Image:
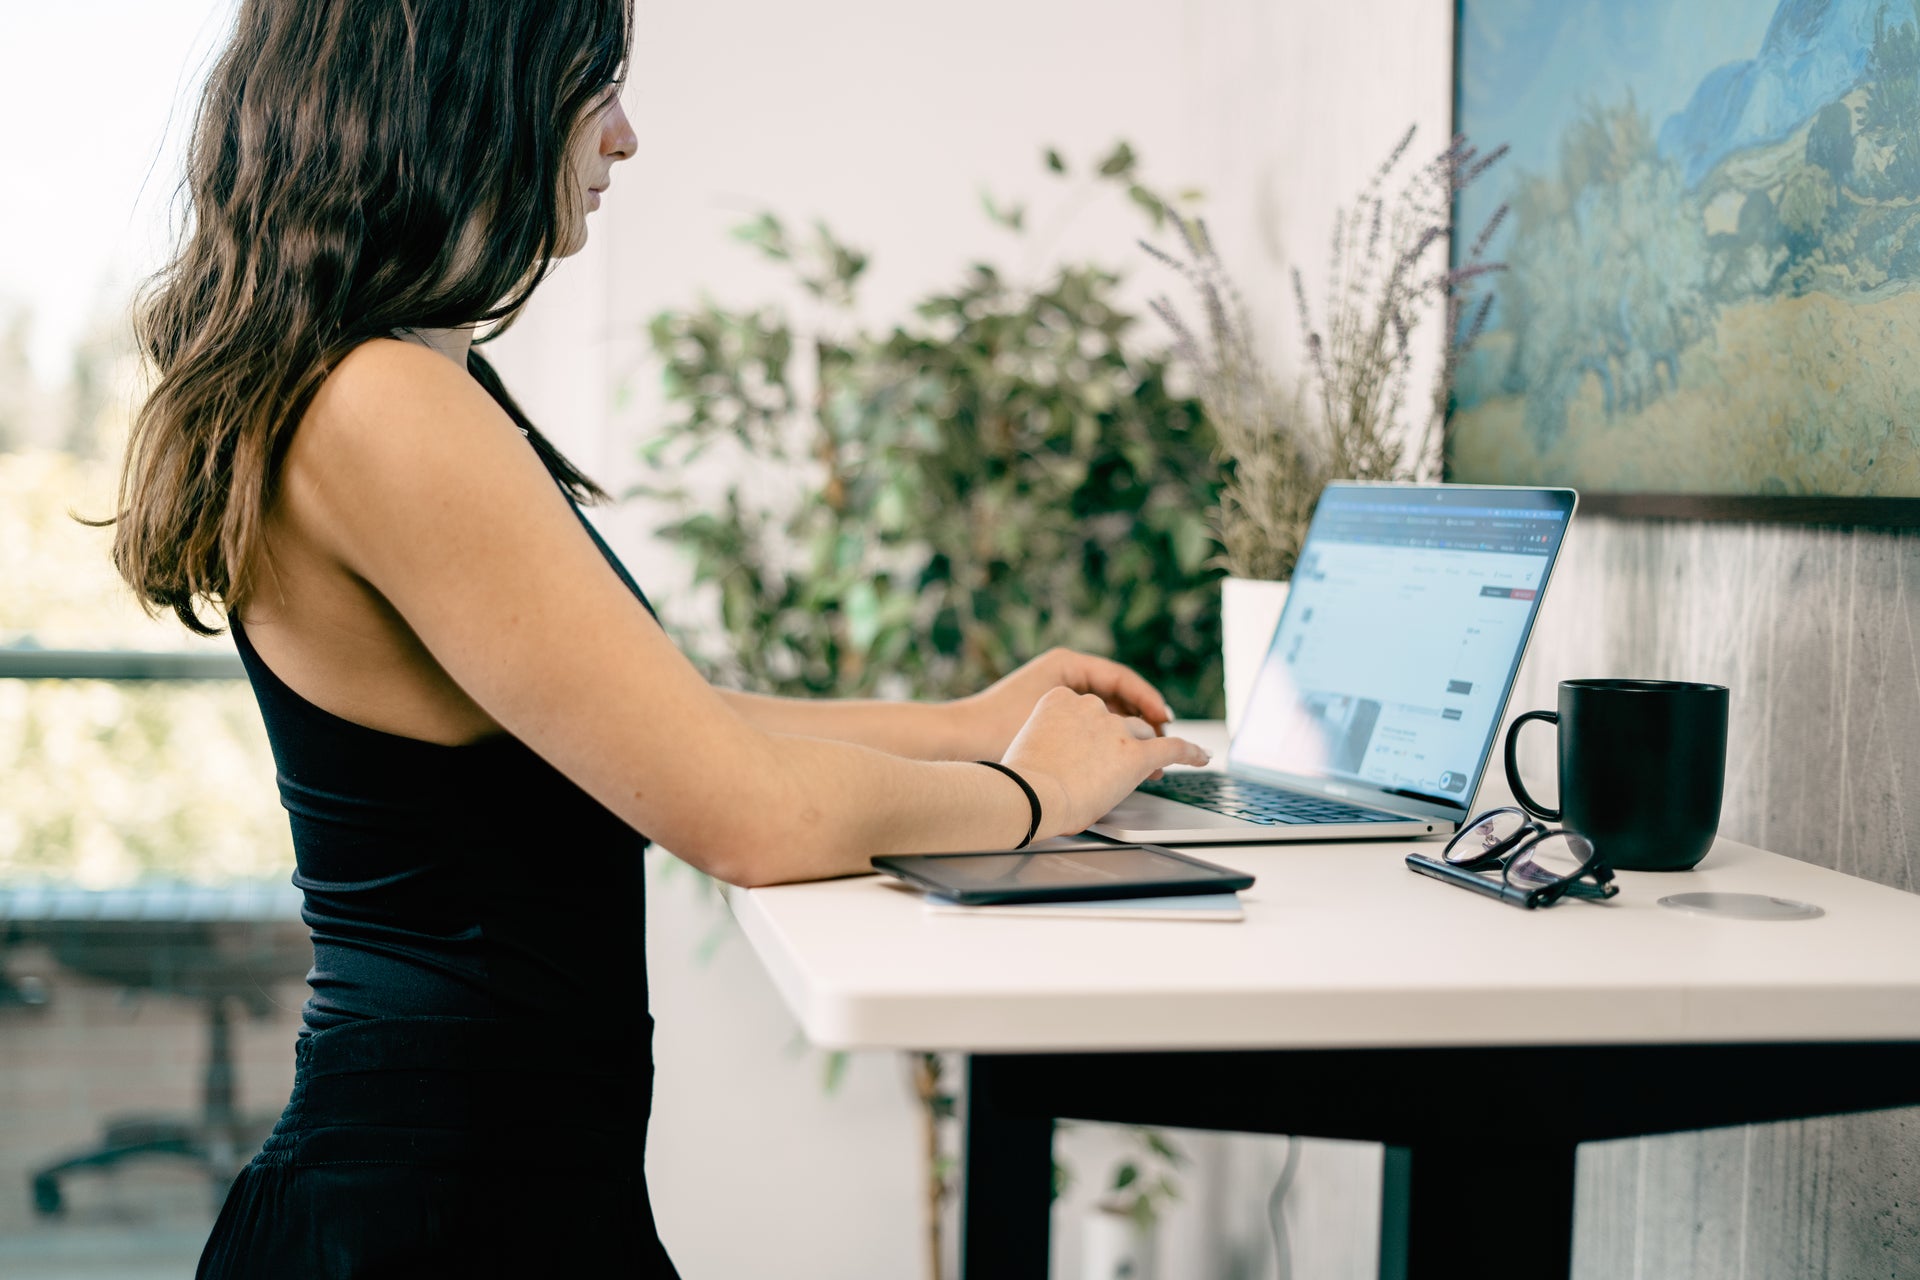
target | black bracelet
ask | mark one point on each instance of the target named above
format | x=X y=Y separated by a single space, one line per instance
x=1032 y=799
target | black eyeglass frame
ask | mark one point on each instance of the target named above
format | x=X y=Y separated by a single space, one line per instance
x=1507 y=854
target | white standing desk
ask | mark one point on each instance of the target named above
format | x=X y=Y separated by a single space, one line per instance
x=1357 y=999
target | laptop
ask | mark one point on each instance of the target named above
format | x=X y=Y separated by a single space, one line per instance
x=1375 y=709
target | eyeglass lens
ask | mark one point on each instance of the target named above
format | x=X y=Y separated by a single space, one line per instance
x=1552 y=859
x=1493 y=834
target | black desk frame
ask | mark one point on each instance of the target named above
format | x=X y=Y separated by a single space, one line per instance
x=1465 y=1129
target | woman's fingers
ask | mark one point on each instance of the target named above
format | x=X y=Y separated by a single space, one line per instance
x=1129 y=711
x=1161 y=752
x=1122 y=688
x=1139 y=728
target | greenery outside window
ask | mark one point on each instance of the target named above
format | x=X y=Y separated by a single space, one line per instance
x=129 y=749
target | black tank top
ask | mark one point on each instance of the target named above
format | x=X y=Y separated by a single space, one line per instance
x=465 y=881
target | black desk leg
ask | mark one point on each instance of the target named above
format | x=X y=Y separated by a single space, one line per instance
x=1477 y=1208
x=1006 y=1201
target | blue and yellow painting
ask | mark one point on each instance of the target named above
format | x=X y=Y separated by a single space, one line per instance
x=1712 y=239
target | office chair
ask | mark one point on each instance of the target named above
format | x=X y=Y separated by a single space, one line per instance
x=220 y=963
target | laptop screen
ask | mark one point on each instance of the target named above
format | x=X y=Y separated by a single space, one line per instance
x=1402 y=634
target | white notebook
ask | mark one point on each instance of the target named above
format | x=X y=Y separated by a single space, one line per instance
x=1191 y=906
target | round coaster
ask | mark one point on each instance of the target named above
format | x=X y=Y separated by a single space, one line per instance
x=1742 y=906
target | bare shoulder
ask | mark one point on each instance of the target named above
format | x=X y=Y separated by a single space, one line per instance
x=397 y=431
x=389 y=396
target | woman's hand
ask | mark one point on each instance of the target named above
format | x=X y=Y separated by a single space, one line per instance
x=1082 y=759
x=988 y=720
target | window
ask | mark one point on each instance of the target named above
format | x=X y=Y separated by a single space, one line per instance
x=108 y=781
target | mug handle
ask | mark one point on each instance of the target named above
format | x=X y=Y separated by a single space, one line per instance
x=1527 y=802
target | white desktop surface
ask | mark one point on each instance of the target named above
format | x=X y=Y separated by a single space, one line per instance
x=1343 y=946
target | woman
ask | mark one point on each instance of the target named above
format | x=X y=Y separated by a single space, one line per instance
x=473 y=712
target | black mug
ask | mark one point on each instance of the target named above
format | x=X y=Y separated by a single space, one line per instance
x=1642 y=766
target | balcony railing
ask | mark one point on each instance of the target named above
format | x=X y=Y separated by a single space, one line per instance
x=117 y=664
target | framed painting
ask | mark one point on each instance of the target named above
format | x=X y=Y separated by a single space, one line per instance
x=1711 y=302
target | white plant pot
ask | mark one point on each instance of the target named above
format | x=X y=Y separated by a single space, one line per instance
x=1249 y=615
x=1113 y=1247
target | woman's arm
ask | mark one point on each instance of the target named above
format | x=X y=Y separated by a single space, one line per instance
x=408 y=474
x=917 y=730
x=973 y=728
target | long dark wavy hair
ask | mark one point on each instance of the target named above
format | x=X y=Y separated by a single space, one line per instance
x=357 y=167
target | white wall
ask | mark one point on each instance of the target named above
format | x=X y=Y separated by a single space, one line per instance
x=886 y=118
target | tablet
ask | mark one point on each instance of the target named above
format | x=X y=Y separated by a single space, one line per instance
x=1062 y=875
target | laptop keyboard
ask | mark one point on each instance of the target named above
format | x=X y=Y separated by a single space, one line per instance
x=1257 y=803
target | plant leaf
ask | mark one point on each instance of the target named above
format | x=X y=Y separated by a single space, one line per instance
x=1118 y=162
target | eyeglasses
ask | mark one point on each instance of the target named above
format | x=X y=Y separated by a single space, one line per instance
x=1538 y=865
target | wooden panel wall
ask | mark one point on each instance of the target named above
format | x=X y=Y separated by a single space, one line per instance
x=1814 y=632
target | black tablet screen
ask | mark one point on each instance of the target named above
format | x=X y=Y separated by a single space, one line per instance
x=1087 y=868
